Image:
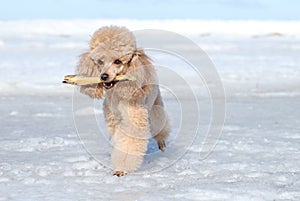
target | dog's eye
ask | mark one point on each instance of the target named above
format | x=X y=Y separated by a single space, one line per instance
x=100 y=62
x=117 y=61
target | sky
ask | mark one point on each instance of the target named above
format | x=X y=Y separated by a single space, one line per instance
x=151 y=9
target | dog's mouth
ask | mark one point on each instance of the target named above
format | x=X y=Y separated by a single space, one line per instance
x=109 y=85
x=119 y=78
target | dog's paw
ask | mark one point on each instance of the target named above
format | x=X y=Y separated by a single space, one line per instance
x=162 y=145
x=120 y=173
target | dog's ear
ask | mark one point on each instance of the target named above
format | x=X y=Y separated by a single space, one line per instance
x=140 y=58
x=142 y=69
x=86 y=67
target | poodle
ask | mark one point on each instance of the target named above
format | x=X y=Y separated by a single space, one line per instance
x=133 y=110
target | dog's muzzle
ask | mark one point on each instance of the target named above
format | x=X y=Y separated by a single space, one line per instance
x=107 y=85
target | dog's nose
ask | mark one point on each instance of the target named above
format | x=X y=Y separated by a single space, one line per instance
x=104 y=76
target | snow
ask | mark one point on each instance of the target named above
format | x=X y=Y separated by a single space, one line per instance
x=256 y=158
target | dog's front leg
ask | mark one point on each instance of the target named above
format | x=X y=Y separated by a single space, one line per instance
x=110 y=118
x=130 y=139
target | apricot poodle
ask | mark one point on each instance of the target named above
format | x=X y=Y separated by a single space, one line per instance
x=133 y=109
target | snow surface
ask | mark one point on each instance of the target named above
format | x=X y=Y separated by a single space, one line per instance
x=256 y=158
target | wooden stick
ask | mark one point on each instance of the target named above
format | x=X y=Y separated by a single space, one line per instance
x=83 y=80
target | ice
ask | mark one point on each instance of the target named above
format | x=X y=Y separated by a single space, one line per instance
x=256 y=158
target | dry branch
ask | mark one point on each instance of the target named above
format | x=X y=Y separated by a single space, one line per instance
x=82 y=80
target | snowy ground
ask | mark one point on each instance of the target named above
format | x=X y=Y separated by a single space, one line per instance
x=256 y=158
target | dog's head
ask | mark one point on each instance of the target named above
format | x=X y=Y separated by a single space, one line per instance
x=112 y=52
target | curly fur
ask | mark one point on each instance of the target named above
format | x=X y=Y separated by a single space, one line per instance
x=133 y=110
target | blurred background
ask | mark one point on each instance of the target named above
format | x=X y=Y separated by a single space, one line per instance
x=254 y=43
x=151 y=9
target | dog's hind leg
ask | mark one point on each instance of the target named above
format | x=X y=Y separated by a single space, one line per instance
x=159 y=123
